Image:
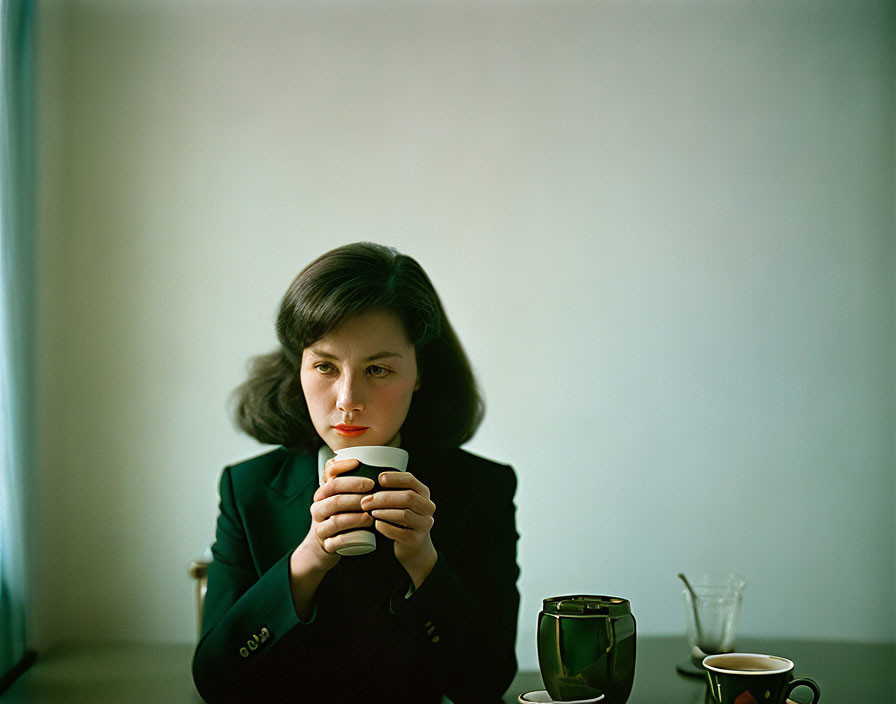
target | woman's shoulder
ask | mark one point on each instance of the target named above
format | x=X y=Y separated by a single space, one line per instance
x=480 y=462
x=259 y=462
x=268 y=467
x=458 y=461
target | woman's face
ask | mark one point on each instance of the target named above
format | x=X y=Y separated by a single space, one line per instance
x=358 y=381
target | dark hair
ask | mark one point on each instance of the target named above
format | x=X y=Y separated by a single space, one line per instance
x=345 y=282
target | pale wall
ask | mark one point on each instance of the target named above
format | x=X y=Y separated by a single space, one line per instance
x=664 y=233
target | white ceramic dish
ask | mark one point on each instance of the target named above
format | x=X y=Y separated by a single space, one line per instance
x=540 y=696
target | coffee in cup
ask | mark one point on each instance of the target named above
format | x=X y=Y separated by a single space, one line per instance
x=753 y=678
x=372 y=460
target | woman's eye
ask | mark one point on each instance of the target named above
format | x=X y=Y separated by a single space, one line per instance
x=376 y=370
x=324 y=367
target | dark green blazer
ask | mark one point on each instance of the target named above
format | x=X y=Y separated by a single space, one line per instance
x=367 y=640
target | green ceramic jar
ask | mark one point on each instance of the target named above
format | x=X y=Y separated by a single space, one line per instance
x=586 y=645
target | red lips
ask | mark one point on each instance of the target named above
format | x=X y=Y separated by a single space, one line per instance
x=351 y=431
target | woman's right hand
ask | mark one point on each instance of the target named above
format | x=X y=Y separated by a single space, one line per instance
x=336 y=508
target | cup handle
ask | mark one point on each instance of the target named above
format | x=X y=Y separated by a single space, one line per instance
x=803 y=682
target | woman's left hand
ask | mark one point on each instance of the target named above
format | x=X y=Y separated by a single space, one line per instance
x=403 y=513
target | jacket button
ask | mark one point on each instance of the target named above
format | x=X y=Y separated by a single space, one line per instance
x=244 y=652
x=435 y=640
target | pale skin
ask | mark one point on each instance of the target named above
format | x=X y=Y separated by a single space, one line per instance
x=358 y=383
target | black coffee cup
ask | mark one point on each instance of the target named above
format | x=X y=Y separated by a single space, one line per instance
x=372 y=461
x=752 y=678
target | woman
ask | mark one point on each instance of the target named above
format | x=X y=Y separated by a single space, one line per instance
x=367 y=357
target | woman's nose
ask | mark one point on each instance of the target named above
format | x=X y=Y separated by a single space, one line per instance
x=350 y=398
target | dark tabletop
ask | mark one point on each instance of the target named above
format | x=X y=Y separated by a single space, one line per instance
x=847 y=672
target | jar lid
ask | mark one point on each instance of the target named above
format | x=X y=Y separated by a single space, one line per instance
x=587 y=605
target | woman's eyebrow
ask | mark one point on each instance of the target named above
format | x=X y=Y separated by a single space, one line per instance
x=317 y=352
x=382 y=355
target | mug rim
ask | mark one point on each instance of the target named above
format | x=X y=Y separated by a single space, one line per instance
x=376 y=456
x=749 y=673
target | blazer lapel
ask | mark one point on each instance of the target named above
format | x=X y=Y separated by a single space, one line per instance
x=296 y=472
x=279 y=516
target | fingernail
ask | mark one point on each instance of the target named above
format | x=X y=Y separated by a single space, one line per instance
x=383 y=478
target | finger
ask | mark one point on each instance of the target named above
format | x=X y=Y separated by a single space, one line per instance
x=403 y=480
x=342 y=522
x=340 y=503
x=399 y=534
x=332 y=545
x=335 y=467
x=399 y=499
x=344 y=485
x=404 y=518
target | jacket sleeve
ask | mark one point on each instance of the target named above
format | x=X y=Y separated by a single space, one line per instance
x=245 y=615
x=465 y=612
